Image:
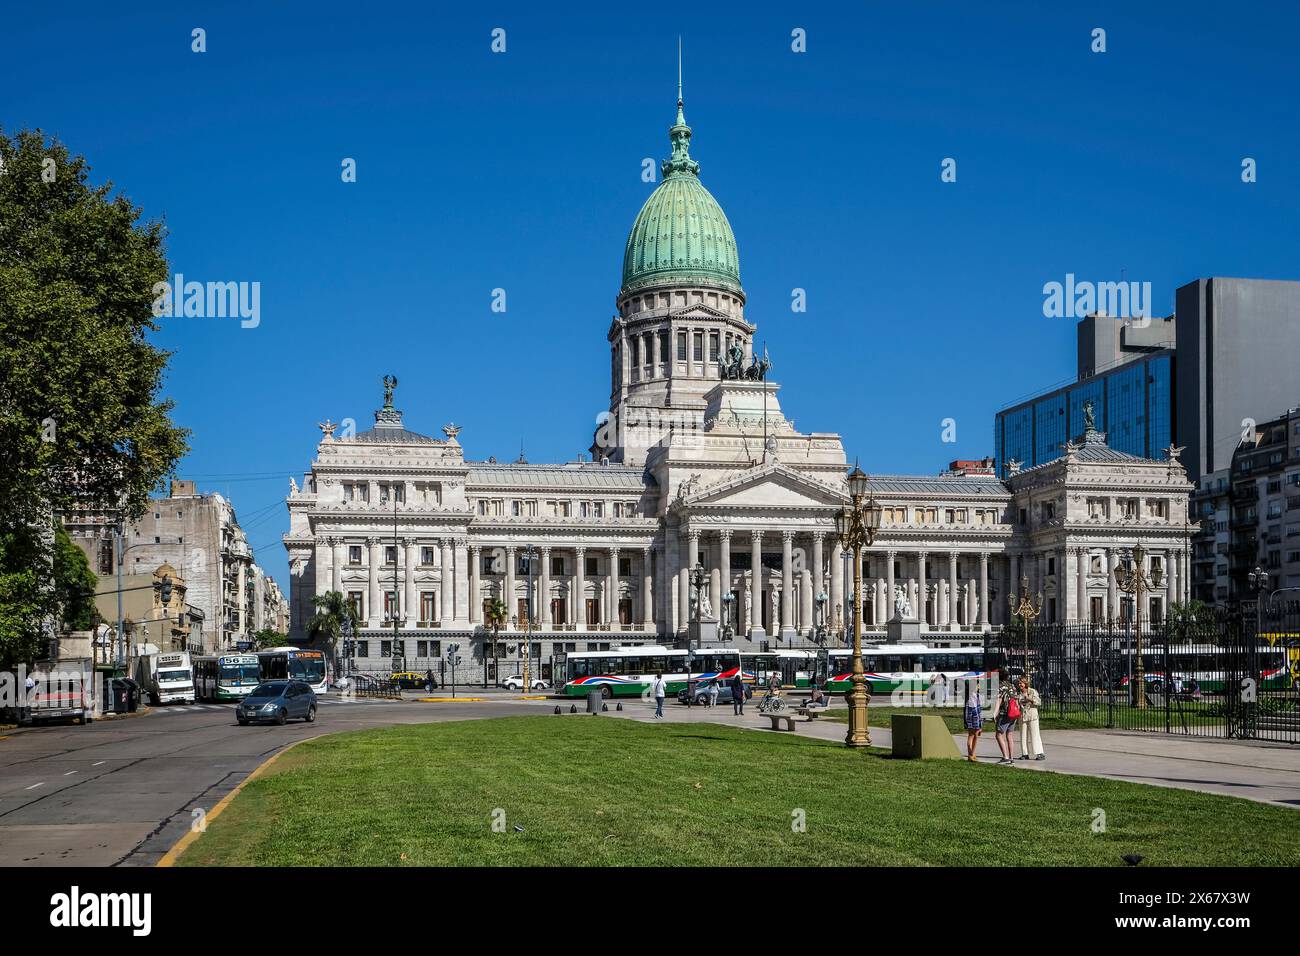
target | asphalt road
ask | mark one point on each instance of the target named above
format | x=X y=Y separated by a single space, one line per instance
x=121 y=792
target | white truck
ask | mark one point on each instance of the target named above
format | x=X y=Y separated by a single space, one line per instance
x=166 y=676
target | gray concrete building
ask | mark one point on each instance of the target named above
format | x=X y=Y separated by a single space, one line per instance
x=1236 y=359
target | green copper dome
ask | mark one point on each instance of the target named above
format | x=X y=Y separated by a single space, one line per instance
x=681 y=235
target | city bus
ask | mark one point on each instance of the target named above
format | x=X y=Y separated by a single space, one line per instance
x=1205 y=669
x=228 y=677
x=905 y=667
x=796 y=667
x=629 y=671
x=296 y=663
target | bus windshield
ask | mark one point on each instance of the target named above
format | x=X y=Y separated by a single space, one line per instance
x=182 y=674
x=239 y=674
x=309 y=669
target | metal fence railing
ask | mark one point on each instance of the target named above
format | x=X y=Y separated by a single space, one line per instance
x=1228 y=674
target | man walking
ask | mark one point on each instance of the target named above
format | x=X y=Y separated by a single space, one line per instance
x=660 y=688
x=428 y=680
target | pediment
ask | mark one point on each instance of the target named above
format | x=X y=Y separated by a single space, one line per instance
x=773 y=486
x=696 y=310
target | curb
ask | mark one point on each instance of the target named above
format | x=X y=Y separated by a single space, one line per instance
x=449 y=700
x=171 y=856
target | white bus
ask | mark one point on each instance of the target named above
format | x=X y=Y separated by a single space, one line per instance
x=906 y=667
x=628 y=671
x=228 y=677
x=294 y=663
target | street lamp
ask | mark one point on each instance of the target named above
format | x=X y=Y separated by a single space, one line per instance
x=1137 y=582
x=820 y=633
x=857 y=525
x=1024 y=608
x=727 y=632
x=699 y=577
x=528 y=624
x=1257 y=578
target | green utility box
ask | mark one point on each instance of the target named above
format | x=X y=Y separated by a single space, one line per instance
x=922 y=737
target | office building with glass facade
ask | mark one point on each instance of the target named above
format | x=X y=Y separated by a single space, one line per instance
x=1132 y=404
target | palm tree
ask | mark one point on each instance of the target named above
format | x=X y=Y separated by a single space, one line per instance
x=326 y=625
x=496 y=614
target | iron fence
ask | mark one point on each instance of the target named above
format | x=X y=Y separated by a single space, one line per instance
x=1231 y=673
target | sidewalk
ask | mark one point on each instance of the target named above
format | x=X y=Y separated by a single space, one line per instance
x=1266 y=772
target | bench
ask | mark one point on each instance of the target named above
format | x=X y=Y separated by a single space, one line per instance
x=811 y=711
x=777 y=718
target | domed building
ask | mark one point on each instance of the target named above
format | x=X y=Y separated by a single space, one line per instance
x=697 y=468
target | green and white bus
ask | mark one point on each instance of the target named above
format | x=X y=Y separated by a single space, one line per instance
x=629 y=671
x=228 y=677
x=906 y=667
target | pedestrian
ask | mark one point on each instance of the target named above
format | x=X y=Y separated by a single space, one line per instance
x=943 y=682
x=737 y=695
x=973 y=717
x=428 y=680
x=1008 y=713
x=713 y=692
x=1030 y=737
x=660 y=688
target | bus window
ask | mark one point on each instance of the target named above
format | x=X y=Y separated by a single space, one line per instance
x=632 y=666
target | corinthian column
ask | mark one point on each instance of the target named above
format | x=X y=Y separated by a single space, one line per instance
x=756 y=566
x=410 y=601
x=376 y=609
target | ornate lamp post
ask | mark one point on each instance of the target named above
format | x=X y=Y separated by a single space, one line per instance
x=1137 y=582
x=857 y=525
x=698 y=579
x=727 y=632
x=528 y=624
x=1024 y=608
x=1258 y=581
x=820 y=633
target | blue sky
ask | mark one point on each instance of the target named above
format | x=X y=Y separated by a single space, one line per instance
x=522 y=171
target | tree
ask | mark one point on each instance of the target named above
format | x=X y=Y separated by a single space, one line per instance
x=81 y=424
x=268 y=637
x=326 y=626
x=496 y=614
x=74 y=584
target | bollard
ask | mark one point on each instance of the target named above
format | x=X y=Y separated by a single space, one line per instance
x=573 y=708
x=557 y=708
x=619 y=707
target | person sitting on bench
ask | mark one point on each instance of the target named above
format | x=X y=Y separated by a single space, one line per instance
x=817 y=698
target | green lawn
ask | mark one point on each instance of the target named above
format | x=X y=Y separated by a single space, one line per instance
x=618 y=792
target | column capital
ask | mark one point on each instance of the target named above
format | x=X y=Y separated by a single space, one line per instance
x=408 y=542
x=923 y=554
x=892 y=553
x=953 y=555
x=475 y=549
x=648 y=549
x=510 y=550
x=333 y=541
x=756 y=535
x=787 y=535
x=546 y=550
x=580 y=551
x=984 y=557
x=615 y=549
x=373 y=540
x=691 y=533
x=724 y=534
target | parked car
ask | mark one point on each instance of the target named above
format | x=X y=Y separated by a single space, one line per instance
x=517 y=683
x=277 y=700
x=702 y=695
x=412 y=680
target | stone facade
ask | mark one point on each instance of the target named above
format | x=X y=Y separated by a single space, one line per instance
x=697 y=464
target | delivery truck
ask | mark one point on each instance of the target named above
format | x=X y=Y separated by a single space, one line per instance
x=166 y=676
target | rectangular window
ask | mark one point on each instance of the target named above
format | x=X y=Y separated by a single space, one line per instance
x=697 y=350
x=515 y=508
x=713 y=346
x=663 y=347
x=557 y=565
x=592 y=566
x=357 y=601
x=428 y=607
x=625 y=570
x=422 y=648
x=426 y=556
x=681 y=346
x=390 y=606
x=363 y=648
x=385 y=648
x=390 y=554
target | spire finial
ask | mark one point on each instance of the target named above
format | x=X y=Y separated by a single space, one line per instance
x=680 y=134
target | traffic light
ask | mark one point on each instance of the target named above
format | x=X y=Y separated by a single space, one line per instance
x=166 y=590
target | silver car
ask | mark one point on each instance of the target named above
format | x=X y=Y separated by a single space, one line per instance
x=277 y=701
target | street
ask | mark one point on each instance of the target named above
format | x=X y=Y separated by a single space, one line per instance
x=120 y=792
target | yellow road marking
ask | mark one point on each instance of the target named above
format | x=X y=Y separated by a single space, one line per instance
x=170 y=857
x=447 y=700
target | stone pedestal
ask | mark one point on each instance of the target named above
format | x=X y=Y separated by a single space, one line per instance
x=703 y=633
x=899 y=630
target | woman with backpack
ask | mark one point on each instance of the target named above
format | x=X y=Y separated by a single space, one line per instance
x=1008 y=713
